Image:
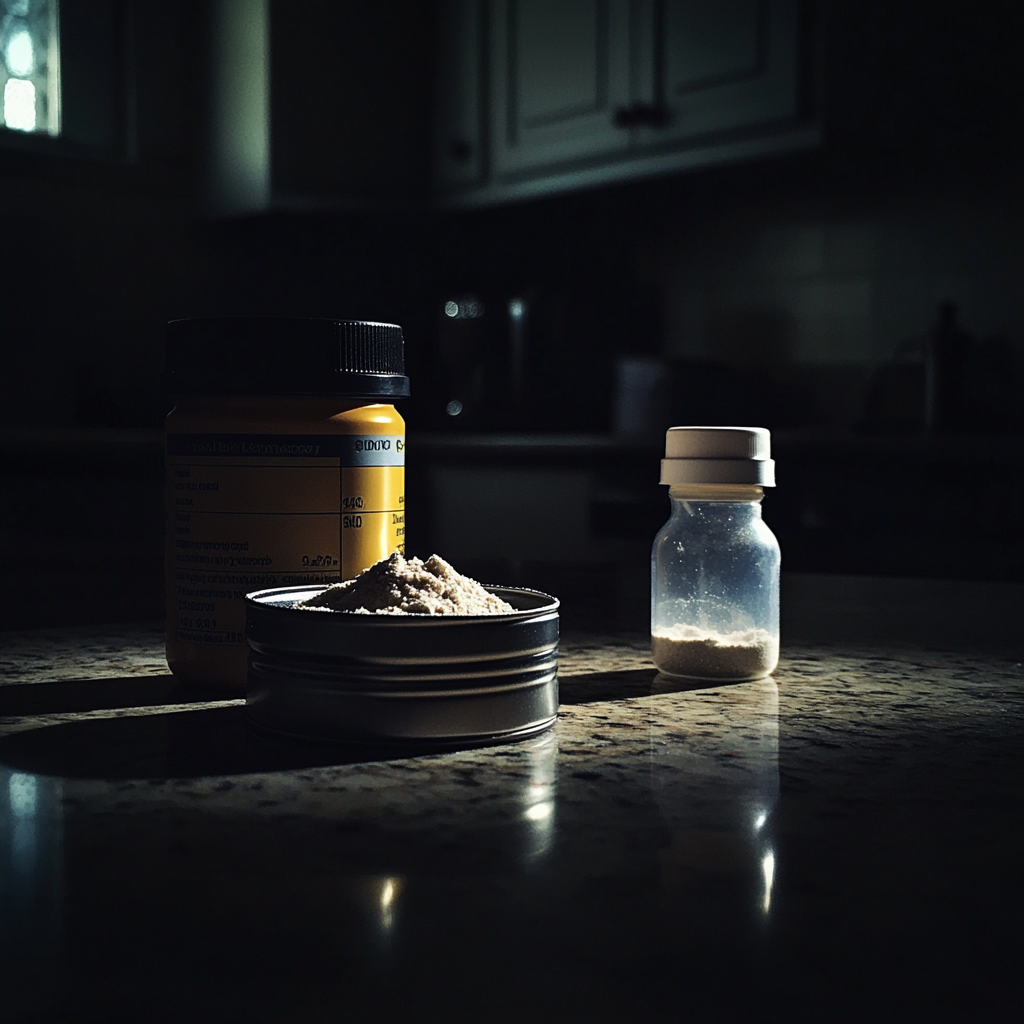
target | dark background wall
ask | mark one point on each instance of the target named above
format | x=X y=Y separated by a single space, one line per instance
x=818 y=267
x=782 y=292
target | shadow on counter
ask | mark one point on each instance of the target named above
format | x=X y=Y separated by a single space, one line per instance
x=158 y=728
x=166 y=744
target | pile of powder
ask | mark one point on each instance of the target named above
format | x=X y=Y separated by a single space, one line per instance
x=703 y=654
x=396 y=586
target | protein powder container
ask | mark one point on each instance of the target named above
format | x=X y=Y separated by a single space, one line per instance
x=285 y=467
x=715 y=564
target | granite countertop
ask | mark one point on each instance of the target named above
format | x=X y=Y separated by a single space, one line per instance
x=841 y=840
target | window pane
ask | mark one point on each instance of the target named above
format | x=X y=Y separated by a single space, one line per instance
x=20 y=105
x=30 y=65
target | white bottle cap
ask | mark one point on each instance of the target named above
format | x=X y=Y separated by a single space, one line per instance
x=718 y=455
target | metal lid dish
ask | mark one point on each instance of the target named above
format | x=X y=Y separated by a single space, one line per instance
x=432 y=680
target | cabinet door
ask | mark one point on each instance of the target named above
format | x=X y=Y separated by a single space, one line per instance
x=458 y=137
x=560 y=70
x=722 y=66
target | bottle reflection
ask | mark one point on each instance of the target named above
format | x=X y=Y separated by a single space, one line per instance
x=538 y=799
x=306 y=870
x=716 y=784
x=377 y=899
x=502 y=826
x=23 y=803
x=31 y=889
x=768 y=867
x=449 y=841
x=390 y=890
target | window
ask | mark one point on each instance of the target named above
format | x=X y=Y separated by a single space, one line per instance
x=30 y=66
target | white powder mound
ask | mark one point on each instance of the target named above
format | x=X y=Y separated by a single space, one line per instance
x=696 y=653
x=397 y=586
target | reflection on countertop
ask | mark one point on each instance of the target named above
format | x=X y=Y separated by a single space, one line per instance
x=838 y=841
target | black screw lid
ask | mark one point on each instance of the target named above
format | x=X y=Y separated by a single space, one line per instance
x=253 y=355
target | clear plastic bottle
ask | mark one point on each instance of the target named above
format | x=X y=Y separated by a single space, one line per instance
x=715 y=564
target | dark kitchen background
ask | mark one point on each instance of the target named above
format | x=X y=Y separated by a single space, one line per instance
x=592 y=220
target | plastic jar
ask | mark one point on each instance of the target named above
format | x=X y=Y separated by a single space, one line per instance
x=285 y=466
x=715 y=565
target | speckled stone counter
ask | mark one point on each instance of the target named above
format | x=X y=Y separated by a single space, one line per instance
x=840 y=841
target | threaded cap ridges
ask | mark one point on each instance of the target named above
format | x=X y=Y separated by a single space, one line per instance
x=718 y=455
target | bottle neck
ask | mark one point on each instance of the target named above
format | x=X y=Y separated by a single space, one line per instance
x=716 y=492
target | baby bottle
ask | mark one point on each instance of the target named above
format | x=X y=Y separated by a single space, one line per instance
x=715 y=565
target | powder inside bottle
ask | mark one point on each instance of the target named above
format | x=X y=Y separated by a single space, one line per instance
x=696 y=653
x=400 y=586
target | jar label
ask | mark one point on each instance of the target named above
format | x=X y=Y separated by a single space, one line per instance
x=251 y=511
x=351 y=449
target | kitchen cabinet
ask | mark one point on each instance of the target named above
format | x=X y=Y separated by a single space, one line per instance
x=318 y=105
x=718 y=66
x=459 y=127
x=337 y=104
x=586 y=92
x=560 y=74
x=328 y=105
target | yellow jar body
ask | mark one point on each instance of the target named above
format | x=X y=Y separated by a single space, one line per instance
x=270 y=491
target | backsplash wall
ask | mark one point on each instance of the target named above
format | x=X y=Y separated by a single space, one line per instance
x=822 y=284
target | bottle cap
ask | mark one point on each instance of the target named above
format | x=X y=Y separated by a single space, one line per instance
x=274 y=355
x=718 y=455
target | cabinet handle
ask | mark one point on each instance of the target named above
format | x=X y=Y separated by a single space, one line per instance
x=641 y=115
